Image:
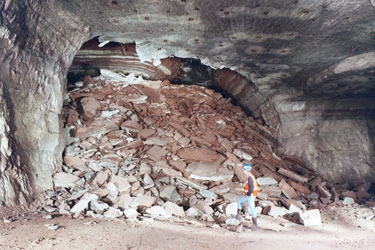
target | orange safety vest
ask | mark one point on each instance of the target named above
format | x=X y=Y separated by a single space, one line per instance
x=255 y=183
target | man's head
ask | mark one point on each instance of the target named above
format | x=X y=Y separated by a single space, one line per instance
x=246 y=167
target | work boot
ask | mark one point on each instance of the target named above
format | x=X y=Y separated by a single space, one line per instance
x=255 y=223
x=238 y=215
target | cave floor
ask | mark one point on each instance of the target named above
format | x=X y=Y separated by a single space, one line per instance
x=342 y=228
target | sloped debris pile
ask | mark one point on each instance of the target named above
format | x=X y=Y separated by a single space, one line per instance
x=140 y=150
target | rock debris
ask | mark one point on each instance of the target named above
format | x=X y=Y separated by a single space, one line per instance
x=139 y=149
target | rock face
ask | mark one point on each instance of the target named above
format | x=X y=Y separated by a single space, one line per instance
x=304 y=69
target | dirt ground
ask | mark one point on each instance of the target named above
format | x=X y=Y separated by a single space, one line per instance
x=342 y=228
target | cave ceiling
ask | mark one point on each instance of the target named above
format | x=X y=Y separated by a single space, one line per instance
x=321 y=48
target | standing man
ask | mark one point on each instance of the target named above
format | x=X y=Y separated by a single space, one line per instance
x=251 y=190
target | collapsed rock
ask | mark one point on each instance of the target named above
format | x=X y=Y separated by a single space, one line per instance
x=138 y=149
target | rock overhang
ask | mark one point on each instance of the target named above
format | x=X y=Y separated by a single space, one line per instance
x=276 y=45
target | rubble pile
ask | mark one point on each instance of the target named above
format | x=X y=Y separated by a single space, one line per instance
x=140 y=150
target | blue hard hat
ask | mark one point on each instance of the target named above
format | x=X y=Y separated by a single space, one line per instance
x=246 y=166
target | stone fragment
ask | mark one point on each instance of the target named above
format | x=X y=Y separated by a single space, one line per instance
x=292 y=175
x=105 y=147
x=173 y=209
x=131 y=213
x=323 y=192
x=302 y=188
x=232 y=157
x=156 y=141
x=100 y=192
x=221 y=189
x=315 y=181
x=275 y=211
x=194 y=212
x=145 y=201
x=123 y=201
x=101 y=177
x=348 y=201
x=113 y=213
x=200 y=141
x=198 y=154
x=131 y=126
x=89 y=107
x=146 y=133
x=121 y=183
x=97 y=127
x=83 y=203
x=350 y=194
x=144 y=168
x=272 y=191
x=178 y=165
x=136 y=144
x=65 y=180
x=287 y=190
x=166 y=170
x=231 y=209
x=230 y=196
x=184 y=141
x=63 y=209
x=157 y=212
x=204 y=207
x=208 y=194
x=211 y=171
x=98 y=206
x=227 y=144
x=72 y=117
x=156 y=153
x=108 y=114
x=311 y=218
x=148 y=181
x=293 y=205
x=242 y=155
x=362 y=194
x=169 y=193
x=190 y=183
x=75 y=162
x=266 y=181
x=179 y=128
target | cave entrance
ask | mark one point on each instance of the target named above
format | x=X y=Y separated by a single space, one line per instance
x=134 y=137
x=123 y=58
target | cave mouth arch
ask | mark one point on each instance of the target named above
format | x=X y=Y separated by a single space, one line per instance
x=123 y=58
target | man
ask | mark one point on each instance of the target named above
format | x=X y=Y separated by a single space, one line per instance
x=251 y=189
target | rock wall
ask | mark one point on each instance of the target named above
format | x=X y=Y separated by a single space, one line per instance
x=35 y=55
x=332 y=136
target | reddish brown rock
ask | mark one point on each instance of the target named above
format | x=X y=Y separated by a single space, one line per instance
x=198 y=154
x=287 y=190
x=179 y=128
x=156 y=153
x=131 y=126
x=147 y=132
x=97 y=126
x=90 y=107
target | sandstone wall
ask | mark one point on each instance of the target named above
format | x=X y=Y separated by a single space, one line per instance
x=36 y=51
x=332 y=136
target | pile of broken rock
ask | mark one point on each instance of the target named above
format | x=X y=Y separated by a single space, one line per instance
x=139 y=149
